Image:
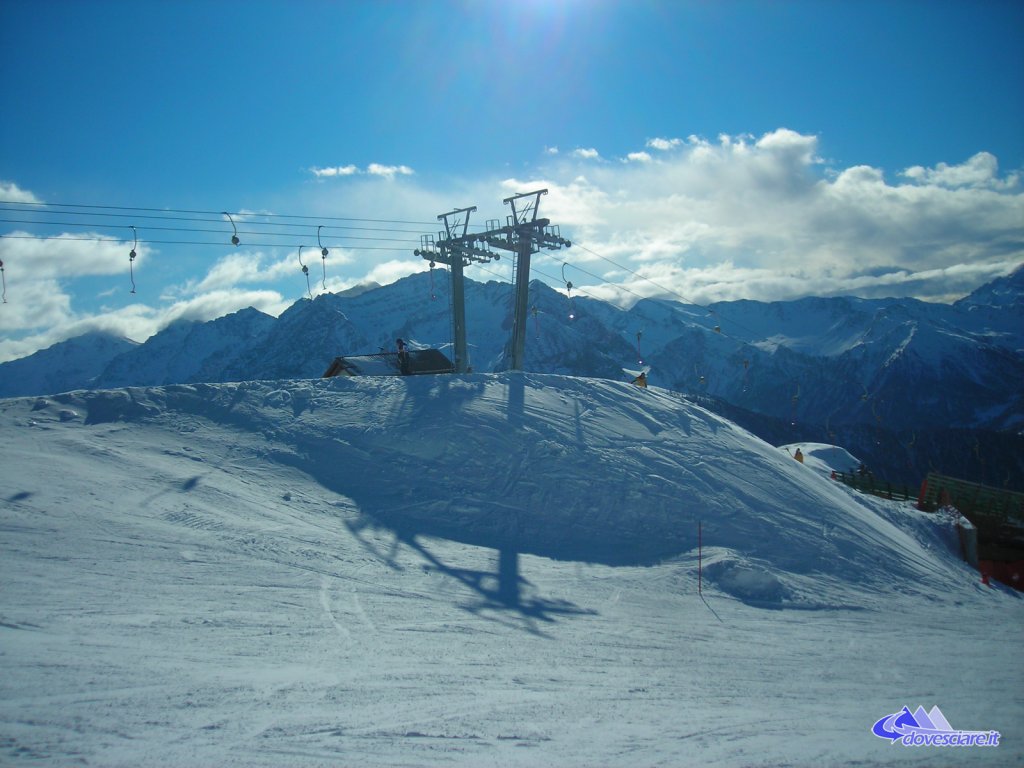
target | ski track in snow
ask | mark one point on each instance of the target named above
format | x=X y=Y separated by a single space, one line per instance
x=481 y=570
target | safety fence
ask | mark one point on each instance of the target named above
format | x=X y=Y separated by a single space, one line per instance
x=996 y=514
x=991 y=540
x=942 y=490
x=865 y=482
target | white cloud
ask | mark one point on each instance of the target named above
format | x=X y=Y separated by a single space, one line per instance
x=68 y=255
x=727 y=281
x=12 y=193
x=214 y=304
x=979 y=171
x=341 y=170
x=43 y=304
x=389 y=171
x=32 y=303
x=373 y=169
x=388 y=271
x=783 y=142
x=247 y=215
x=768 y=220
x=587 y=154
x=573 y=204
x=39 y=275
x=639 y=157
x=664 y=145
x=235 y=269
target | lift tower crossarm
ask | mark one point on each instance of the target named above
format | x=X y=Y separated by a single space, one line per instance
x=507 y=238
x=519 y=215
x=451 y=225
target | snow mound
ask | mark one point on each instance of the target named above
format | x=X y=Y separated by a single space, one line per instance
x=824 y=458
x=750 y=583
x=566 y=468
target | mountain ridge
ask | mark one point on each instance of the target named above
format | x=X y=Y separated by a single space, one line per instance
x=883 y=369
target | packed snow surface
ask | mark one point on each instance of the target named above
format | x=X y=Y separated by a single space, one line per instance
x=506 y=569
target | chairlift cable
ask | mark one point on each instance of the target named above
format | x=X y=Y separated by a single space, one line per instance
x=203 y=230
x=190 y=242
x=239 y=214
x=654 y=283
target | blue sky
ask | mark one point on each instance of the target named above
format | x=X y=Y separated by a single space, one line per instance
x=720 y=150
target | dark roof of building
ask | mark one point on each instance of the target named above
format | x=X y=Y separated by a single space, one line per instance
x=421 y=362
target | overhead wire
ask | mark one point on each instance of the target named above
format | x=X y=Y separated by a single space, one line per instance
x=533 y=268
x=137 y=212
x=239 y=214
x=276 y=220
x=552 y=278
x=45 y=222
x=576 y=287
x=639 y=276
x=268 y=225
x=283 y=230
x=636 y=274
x=237 y=232
x=99 y=239
x=279 y=227
x=716 y=328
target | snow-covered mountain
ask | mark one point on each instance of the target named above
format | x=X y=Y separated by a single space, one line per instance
x=881 y=372
x=488 y=569
x=187 y=351
x=71 y=364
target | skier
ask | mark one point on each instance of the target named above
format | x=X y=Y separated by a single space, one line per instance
x=403 y=358
x=799 y=456
x=641 y=380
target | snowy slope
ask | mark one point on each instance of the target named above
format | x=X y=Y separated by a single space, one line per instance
x=474 y=570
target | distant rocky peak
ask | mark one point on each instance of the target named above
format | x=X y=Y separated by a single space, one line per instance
x=1003 y=292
